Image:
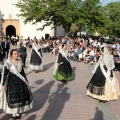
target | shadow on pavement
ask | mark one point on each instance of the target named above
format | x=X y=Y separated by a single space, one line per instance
x=98 y=115
x=38 y=82
x=56 y=102
x=40 y=97
x=47 y=66
x=6 y=117
x=33 y=117
x=73 y=70
x=35 y=83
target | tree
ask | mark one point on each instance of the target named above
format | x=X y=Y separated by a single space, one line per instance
x=113 y=18
x=53 y=12
x=72 y=15
x=93 y=15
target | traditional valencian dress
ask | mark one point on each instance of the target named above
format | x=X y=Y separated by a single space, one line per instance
x=62 y=69
x=104 y=84
x=36 y=60
x=16 y=97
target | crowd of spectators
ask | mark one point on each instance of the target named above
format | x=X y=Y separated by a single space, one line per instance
x=85 y=49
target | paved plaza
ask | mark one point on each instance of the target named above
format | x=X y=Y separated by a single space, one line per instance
x=54 y=100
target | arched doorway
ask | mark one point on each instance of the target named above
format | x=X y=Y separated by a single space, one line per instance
x=10 y=30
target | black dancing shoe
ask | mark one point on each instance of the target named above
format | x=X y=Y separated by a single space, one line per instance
x=63 y=81
x=14 y=117
x=36 y=71
x=100 y=101
x=104 y=101
x=18 y=117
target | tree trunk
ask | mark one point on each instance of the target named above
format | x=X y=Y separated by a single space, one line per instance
x=67 y=28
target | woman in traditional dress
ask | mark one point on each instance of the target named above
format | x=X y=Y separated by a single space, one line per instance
x=1 y=52
x=62 y=69
x=104 y=84
x=36 y=60
x=15 y=94
x=23 y=54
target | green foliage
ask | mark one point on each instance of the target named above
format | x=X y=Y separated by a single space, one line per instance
x=93 y=15
x=112 y=11
x=53 y=12
x=72 y=15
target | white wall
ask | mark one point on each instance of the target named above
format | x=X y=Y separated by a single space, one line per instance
x=7 y=8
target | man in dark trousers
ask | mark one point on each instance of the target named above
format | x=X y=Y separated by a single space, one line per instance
x=1 y=51
x=23 y=54
x=6 y=47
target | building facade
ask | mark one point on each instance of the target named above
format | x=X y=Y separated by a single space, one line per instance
x=10 y=24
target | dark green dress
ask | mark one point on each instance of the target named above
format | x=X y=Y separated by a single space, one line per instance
x=64 y=70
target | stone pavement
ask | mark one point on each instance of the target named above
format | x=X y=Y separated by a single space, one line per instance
x=54 y=100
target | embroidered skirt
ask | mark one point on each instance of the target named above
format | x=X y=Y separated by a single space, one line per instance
x=108 y=93
x=4 y=106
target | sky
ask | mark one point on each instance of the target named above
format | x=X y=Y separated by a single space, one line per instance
x=105 y=2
